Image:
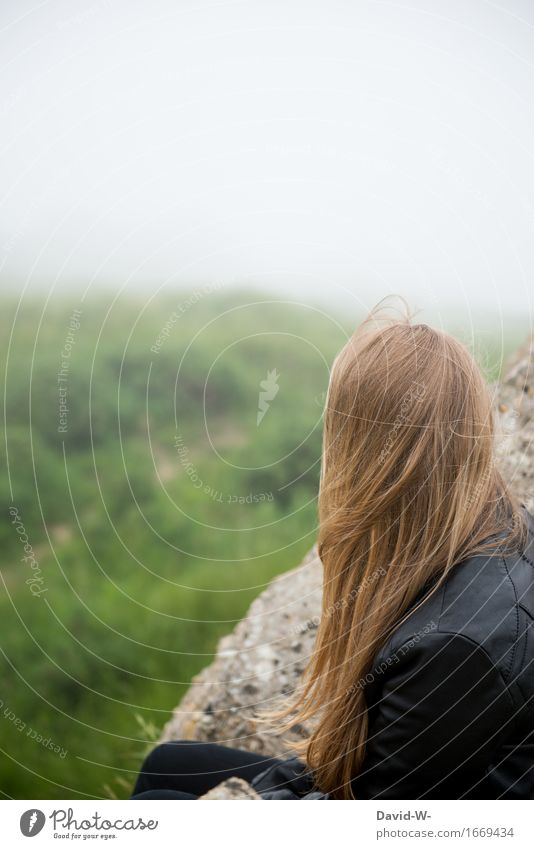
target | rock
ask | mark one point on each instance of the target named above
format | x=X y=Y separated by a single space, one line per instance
x=233 y=788
x=259 y=662
x=515 y=425
x=262 y=660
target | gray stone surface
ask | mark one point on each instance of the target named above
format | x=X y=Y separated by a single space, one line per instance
x=263 y=658
x=257 y=663
x=515 y=416
x=234 y=789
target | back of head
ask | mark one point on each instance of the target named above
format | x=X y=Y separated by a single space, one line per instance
x=409 y=446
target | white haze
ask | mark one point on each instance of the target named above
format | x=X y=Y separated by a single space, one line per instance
x=319 y=150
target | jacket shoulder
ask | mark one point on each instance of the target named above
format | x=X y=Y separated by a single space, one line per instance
x=486 y=599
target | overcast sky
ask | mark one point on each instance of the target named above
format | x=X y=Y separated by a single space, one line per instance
x=318 y=149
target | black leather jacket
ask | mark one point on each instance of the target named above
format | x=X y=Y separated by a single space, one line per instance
x=451 y=696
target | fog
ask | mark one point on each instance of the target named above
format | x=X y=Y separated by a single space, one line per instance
x=326 y=151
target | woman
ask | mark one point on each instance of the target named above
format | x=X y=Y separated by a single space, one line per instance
x=421 y=684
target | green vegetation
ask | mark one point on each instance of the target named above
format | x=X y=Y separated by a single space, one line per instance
x=155 y=519
x=155 y=507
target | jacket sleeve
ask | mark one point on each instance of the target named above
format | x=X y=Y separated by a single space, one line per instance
x=289 y=779
x=441 y=712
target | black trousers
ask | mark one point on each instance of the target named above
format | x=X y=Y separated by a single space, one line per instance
x=185 y=769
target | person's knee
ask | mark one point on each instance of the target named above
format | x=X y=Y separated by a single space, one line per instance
x=161 y=757
x=165 y=757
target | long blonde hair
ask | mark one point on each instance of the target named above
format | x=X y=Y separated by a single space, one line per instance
x=409 y=488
